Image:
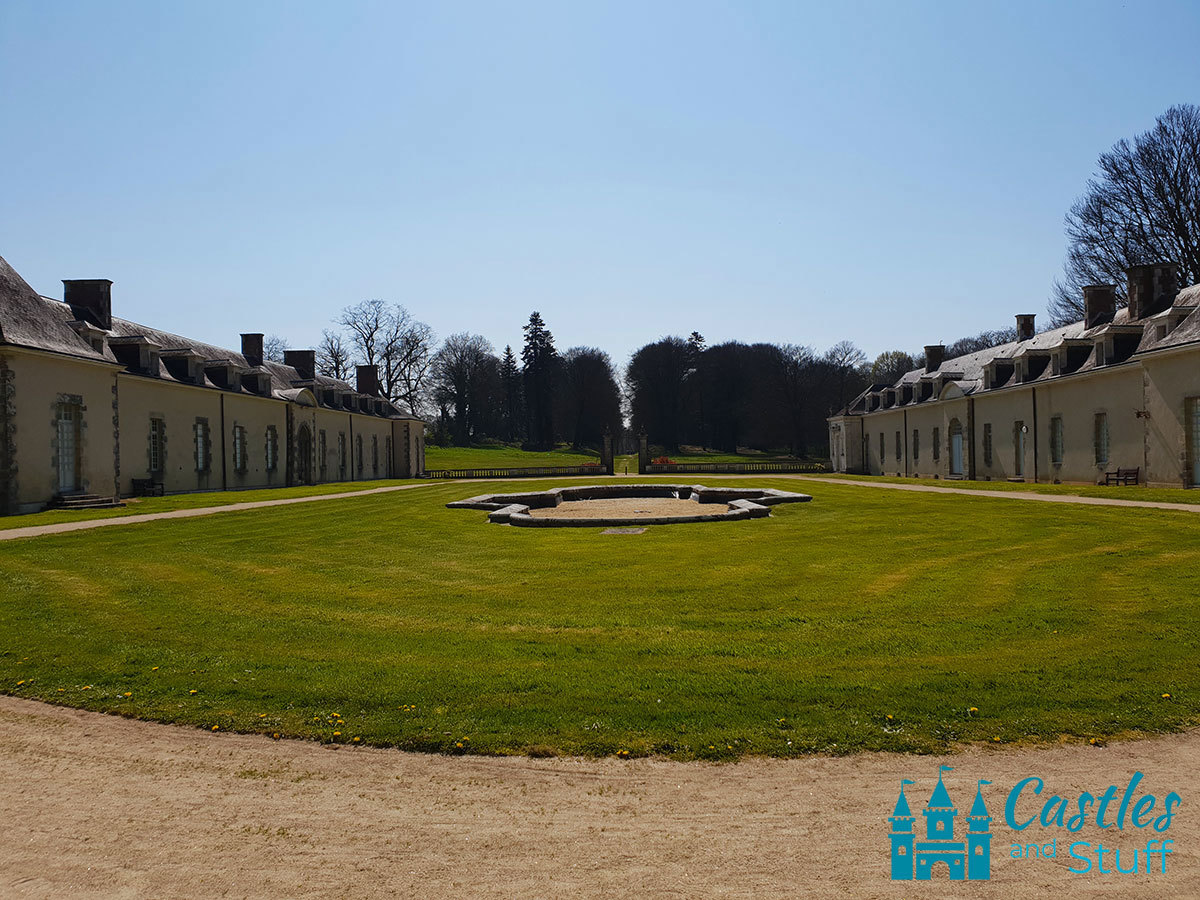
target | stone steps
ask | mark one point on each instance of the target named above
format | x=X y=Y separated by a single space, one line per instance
x=83 y=501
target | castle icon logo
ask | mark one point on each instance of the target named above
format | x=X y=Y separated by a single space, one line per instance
x=967 y=856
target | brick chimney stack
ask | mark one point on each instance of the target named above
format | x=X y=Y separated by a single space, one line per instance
x=252 y=349
x=1152 y=288
x=1099 y=304
x=1025 y=329
x=367 y=378
x=303 y=361
x=934 y=354
x=90 y=299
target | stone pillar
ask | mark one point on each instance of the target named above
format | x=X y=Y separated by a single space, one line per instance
x=643 y=453
x=606 y=454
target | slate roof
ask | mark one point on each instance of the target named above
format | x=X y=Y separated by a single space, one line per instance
x=968 y=371
x=28 y=319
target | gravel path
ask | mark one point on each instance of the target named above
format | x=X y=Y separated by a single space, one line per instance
x=99 y=806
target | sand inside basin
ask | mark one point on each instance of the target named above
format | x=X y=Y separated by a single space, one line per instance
x=628 y=507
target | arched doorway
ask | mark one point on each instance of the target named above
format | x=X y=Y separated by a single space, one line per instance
x=304 y=454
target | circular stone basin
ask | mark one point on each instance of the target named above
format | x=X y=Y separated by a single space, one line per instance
x=628 y=504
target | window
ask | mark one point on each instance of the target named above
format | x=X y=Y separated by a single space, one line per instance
x=375 y=454
x=358 y=455
x=1056 y=440
x=937 y=443
x=321 y=451
x=1100 y=438
x=987 y=443
x=882 y=446
x=239 y=448
x=158 y=445
x=387 y=455
x=899 y=450
x=342 y=455
x=272 y=448
x=203 y=449
x=916 y=445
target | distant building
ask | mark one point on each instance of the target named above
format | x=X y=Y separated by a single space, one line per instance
x=1118 y=390
x=90 y=402
x=969 y=857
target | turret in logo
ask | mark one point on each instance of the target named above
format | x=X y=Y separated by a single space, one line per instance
x=967 y=858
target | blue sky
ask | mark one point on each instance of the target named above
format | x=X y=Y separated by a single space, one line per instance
x=890 y=173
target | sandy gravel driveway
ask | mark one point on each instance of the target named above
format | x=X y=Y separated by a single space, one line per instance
x=97 y=806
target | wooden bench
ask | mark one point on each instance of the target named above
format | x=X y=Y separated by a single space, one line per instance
x=1122 y=476
x=147 y=487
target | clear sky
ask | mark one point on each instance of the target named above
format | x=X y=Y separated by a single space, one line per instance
x=892 y=173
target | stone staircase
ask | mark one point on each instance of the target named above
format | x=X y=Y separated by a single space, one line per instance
x=83 y=501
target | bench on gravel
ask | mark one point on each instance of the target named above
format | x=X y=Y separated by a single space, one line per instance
x=1123 y=476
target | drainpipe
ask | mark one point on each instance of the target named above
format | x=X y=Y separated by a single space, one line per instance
x=224 y=481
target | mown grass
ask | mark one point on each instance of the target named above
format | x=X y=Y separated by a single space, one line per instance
x=1115 y=492
x=138 y=506
x=499 y=456
x=865 y=620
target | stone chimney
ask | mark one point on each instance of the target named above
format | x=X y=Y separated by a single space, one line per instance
x=1152 y=288
x=303 y=361
x=1025 y=327
x=252 y=349
x=1099 y=304
x=90 y=299
x=367 y=379
x=934 y=354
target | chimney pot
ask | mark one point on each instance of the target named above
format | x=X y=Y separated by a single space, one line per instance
x=1099 y=304
x=252 y=349
x=367 y=379
x=1025 y=329
x=934 y=355
x=303 y=361
x=90 y=299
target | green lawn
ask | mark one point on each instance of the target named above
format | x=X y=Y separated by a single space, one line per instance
x=1117 y=492
x=141 y=505
x=499 y=456
x=866 y=619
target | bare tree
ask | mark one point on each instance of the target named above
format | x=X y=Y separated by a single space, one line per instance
x=333 y=356
x=457 y=369
x=846 y=360
x=273 y=347
x=386 y=335
x=1143 y=206
x=406 y=358
x=366 y=325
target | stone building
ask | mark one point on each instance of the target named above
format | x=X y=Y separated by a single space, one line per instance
x=1118 y=390
x=90 y=402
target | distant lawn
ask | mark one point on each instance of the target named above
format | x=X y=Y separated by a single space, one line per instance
x=501 y=457
x=1122 y=492
x=138 y=506
x=865 y=620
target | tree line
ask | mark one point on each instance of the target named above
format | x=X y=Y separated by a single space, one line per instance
x=1142 y=206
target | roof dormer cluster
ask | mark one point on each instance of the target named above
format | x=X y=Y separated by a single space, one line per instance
x=1158 y=315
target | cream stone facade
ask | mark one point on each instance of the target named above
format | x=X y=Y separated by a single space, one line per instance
x=91 y=404
x=1118 y=390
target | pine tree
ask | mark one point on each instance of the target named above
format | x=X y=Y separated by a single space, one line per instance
x=540 y=368
x=510 y=379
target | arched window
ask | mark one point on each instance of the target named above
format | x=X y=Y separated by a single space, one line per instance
x=903 y=850
x=978 y=850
